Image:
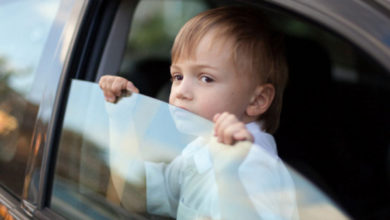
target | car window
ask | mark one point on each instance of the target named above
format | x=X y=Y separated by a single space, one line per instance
x=107 y=150
x=25 y=27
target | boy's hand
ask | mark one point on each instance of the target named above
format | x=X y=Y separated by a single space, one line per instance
x=115 y=86
x=228 y=129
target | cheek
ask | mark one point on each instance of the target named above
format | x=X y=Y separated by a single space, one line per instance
x=232 y=102
x=171 y=96
x=212 y=105
x=170 y=99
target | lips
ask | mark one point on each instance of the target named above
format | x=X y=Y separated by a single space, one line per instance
x=183 y=108
x=179 y=110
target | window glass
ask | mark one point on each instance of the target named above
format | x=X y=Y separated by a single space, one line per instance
x=154 y=27
x=142 y=158
x=25 y=26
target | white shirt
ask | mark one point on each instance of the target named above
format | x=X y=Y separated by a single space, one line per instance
x=186 y=188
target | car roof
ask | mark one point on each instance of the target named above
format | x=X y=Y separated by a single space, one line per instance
x=364 y=23
x=383 y=3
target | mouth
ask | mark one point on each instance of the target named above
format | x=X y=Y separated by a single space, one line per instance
x=184 y=109
x=181 y=110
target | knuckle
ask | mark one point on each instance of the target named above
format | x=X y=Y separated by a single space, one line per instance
x=228 y=131
x=102 y=79
x=102 y=82
x=231 y=117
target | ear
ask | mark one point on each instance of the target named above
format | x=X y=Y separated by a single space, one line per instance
x=261 y=100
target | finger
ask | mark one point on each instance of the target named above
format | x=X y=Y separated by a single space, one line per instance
x=225 y=122
x=130 y=87
x=243 y=135
x=231 y=130
x=118 y=85
x=226 y=129
x=215 y=119
x=109 y=97
x=106 y=82
x=227 y=135
x=216 y=116
x=220 y=120
x=102 y=81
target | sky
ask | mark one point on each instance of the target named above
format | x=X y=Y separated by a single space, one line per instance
x=25 y=26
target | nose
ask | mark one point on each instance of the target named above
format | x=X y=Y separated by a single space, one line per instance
x=183 y=89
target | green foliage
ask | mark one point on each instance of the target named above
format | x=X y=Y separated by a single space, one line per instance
x=151 y=34
x=5 y=71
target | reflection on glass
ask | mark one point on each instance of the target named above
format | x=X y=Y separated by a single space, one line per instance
x=25 y=26
x=142 y=158
x=8 y=124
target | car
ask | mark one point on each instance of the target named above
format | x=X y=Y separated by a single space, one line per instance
x=334 y=133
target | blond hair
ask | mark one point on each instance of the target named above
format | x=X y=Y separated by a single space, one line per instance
x=256 y=49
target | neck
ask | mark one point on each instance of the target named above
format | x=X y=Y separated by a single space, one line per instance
x=248 y=119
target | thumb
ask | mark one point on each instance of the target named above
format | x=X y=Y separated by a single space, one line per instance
x=216 y=116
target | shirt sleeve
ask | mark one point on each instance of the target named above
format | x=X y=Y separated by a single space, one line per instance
x=163 y=187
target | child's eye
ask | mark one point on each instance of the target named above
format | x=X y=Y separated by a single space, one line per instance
x=206 y=79
x=176 y=77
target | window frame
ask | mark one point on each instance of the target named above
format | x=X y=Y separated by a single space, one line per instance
x=93 y=27
x=76 y=29
x=23 y=207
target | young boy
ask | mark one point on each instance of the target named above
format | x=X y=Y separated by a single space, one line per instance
x=226 y=67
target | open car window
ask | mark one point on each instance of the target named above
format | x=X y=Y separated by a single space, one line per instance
x=142 y=158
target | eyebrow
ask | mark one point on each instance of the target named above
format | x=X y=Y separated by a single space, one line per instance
x=174 y=66
x=197 y=66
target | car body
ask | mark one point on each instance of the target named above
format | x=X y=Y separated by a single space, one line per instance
x=334 y=127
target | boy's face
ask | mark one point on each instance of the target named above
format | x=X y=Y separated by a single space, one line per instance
x=207 y=83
